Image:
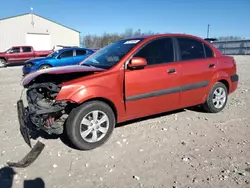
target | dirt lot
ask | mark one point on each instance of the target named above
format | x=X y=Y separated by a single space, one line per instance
x=182 y=149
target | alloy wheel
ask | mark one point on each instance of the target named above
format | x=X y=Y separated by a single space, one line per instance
x=94 y=126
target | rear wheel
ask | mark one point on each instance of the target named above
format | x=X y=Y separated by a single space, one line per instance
x=90 y=125
x=44 y=67
x=2 y=63
x=217 y=98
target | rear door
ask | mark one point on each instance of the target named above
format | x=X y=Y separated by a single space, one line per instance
x=154 y=88
x=198 y=67
x=26 y=53
x=80 y=55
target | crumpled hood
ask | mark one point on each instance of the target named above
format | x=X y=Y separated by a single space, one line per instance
x=59 y=70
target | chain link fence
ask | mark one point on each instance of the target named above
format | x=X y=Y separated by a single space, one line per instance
x=236 y=47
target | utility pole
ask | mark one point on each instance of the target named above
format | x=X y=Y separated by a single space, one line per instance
x=208 y=26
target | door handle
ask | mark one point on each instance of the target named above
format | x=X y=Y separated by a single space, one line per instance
x=170 y=71
x=211 y=65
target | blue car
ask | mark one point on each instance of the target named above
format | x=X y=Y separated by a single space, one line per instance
x=62 y=57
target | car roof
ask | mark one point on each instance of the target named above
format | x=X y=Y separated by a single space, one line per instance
x=162 y=35
x=21 y=46
x=73 y=48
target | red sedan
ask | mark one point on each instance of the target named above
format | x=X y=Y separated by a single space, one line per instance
x=128 y=79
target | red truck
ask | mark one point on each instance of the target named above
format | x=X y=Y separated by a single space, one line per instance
x=19 y=54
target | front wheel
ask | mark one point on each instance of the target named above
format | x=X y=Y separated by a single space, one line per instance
x=90 y=125
x=217 y=98
x=44 y=67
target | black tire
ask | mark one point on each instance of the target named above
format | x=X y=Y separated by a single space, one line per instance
x=44 y=67
x=209 y=106
x=3 y=63
x=73 y=124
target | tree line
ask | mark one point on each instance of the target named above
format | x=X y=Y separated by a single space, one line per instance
x=99 y=41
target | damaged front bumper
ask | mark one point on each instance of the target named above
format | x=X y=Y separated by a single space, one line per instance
x=25 y=132
x=41 y=113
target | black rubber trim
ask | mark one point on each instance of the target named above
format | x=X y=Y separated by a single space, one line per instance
x=168 y=91
x=195 y=86
x=22 y=125
x=234 y=78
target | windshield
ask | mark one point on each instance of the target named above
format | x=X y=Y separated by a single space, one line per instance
x=111 y=54
x=53 y=54
x=8 y=50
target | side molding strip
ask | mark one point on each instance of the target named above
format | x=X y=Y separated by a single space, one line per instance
x=168 y=91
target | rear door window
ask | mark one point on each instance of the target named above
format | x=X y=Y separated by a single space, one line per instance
x=190 y=49
x=209 y=51
x=26 y=49
x=80 y=52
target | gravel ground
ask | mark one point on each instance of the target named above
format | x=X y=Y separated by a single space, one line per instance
x=181 y=149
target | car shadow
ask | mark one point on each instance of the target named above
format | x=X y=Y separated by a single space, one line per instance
x=63 y=137
x=7 y=176
x=197 y=109
x=192 y=108
x=40 y=133
x=66 y=141
x=149 y=117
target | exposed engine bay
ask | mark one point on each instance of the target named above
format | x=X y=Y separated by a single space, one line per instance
x=43 y=110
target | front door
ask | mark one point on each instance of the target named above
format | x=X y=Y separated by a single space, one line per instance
x=198 y=70
x=65 y=58
x=155 y=88
x=14 y=55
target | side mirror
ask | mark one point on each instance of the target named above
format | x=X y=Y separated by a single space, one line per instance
x=137 y=63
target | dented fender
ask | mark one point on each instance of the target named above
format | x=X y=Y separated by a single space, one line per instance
x=80 y=94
